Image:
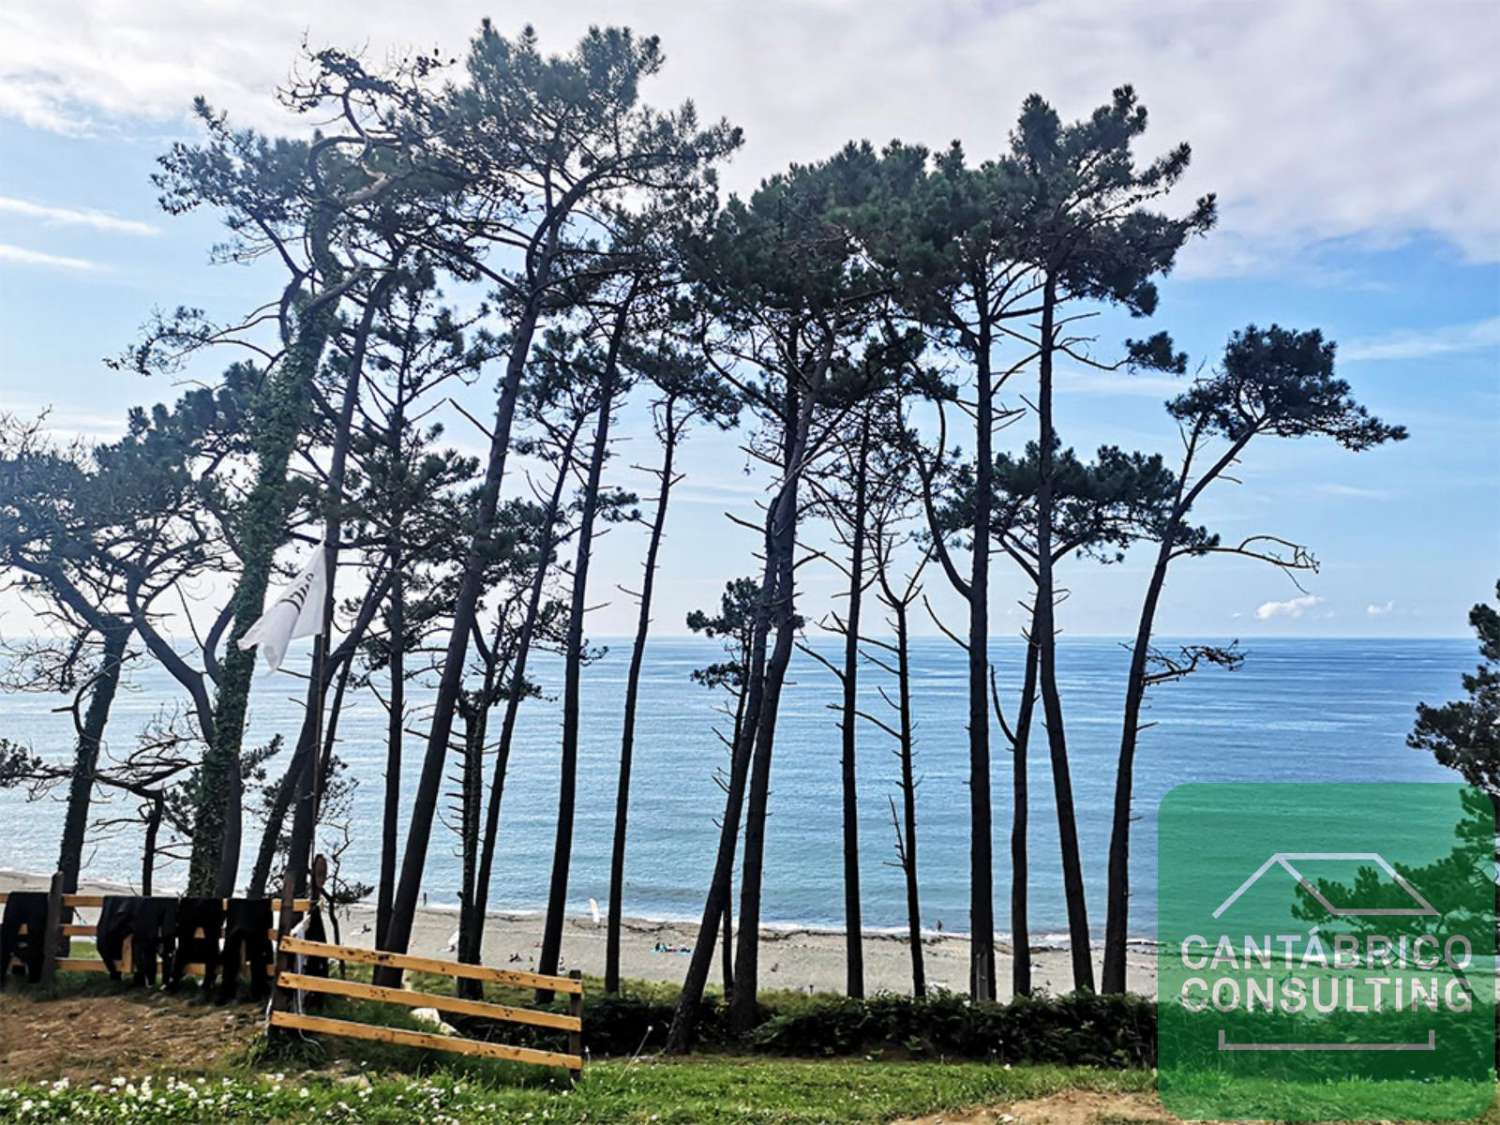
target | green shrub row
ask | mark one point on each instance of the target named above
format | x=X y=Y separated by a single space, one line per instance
x=1079 y=1029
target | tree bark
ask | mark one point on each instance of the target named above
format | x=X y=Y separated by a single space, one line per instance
x=719 y=903
x=148 y=850
x=854 y=969
x=308 y=785
x=1116 y=925
x=562 y=853
x=299 y=783
x=909 y=799
x=781 y=544
x=470 y=908
x=429 y=783
x=1045 y=636
x=632 y=696
x=518 y=677
x=213 y=866
x=981 y=825
x=396 y=705
x=1020 y=925
x=86 y=754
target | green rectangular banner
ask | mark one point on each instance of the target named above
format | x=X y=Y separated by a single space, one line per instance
x=1326 y=951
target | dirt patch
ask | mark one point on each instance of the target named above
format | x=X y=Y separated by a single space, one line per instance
x=1071 y=1107
x=94 y=1038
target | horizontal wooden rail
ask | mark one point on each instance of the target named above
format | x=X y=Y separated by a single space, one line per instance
x=432 y=965
x=406 y=998
x=404 y=1038
x=81 y=965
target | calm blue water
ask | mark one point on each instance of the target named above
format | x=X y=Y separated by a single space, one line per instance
x=1334 y=709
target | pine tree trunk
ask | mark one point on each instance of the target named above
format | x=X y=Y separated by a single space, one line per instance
x=395 y=734
x=562 y=852
x=429 y=782
x=781 y=544
x=279 y=418
x=854 y=975
x=632 y=695
x=981 y=829
x=1117 y=925
x=744 y=1005
x=909 y=800
x=293 y=794
x=396 y=715
x=1020 y=924
x=518 y=677
x=1045 y=636
x=86 y=753
x=470 y=909
x=148 y=850
x=719 y=903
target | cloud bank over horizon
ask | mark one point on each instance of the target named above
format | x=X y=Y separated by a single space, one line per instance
x=1385 y=94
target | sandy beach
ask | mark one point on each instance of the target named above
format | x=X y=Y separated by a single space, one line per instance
x=801 y=959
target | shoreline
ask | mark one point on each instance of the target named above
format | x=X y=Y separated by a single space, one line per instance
x=799 y=958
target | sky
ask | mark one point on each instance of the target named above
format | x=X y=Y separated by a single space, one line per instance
x=1354 y=149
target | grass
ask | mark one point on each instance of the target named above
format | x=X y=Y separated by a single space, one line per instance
x=333 y=1079
x=691 y=1091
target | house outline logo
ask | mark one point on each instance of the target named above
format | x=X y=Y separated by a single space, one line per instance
x=1284 y=860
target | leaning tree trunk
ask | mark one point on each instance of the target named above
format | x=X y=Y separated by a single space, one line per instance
x=281 y=411
x=1045 y=636
x=148 y=850
x=396 y=704
x=632 y=696
x=296 y=791
x=719 y=904
x=854 y=968
x=1117 y=924
x=907 y=731
x=1117 y=898
x=471 y=805
x=562 y=852
x=430 y=781
x=743 y=1007
x=395 y=733
x=1020 y=867
x=518 y=678
x=781 y=545
x=86 y=753
x=981 y=825
x=726 y=954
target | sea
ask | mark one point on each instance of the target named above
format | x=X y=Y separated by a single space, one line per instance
x=1301 y=710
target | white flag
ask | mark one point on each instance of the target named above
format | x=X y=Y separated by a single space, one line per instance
x=296 y=612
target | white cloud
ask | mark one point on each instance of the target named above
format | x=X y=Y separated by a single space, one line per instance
x=70 y=216
x=1293 y=608
x=1353 y=491
x=1380 y=610
x=1318 y=124
x=1122 y=382
x=1480 y=335
x=23 y=257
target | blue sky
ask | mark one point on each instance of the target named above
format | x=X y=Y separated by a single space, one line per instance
x=1354 y=149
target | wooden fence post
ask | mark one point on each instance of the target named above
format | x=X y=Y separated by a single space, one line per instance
x=52 y=932
x=575 y=1038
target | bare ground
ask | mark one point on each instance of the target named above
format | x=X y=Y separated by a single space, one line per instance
x=1070 y=1107
x=93 y=1038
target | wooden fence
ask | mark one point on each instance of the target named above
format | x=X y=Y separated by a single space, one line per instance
x=58 y=902
x=571 y=986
